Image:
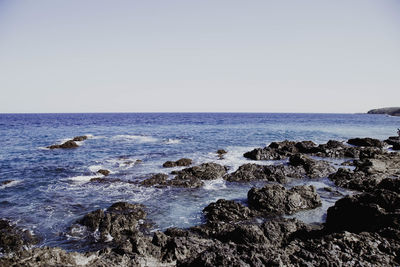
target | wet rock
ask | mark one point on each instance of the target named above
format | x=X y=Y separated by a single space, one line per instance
x=355 y=180
x=119 y=221
x=104 y=172
x=221 y=151
x=273 y=173
x=205 y=171
x=275 y=151
x=396 y=146
x=390 y=184
x=68 y=144
x=307 y=147
x=314 y=168
x=281 y=231
x=159 y=179
x=13 y=238
x=179 y=163
x=227 y=211
x=186 y=181
x=6 y=182
x=80 y=138
x=368 y=142
x=365 y=212
x=275 y=199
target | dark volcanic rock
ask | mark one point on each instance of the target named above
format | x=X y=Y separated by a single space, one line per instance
x=314 y=168
x=80 y=138
x=68 y=144
x=221 y=151
x=365 y=212
x=227 y=211
x=274 y=173
x=13 y=239
x=105 y=180
x=276 y=199
x=205 y=171
x=104 y=172
x=159 y=179
x=179 y=163
x=365 y=142
x=186 y=181
x=6 y=182
x=119 y=221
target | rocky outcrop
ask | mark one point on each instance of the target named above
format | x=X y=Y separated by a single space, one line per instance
x=227 y=211
x=104 y=172
x=205 y=171
x=6 y=182
x=275 y=199
x=80 y=138
x=70 y=143
x=183 y=162
x=392 y=111
x=158 y=180
x=13 y=238
x=274 y=173
x=313 y=168
x=366 y=142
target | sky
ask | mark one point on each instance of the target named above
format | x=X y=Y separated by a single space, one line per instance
x=339 y=56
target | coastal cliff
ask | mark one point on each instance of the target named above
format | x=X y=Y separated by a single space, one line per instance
x=392 y=111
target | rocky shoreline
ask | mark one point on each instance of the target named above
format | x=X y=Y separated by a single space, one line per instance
x=360 y=230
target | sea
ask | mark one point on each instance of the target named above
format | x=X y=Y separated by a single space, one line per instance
x=51 y=189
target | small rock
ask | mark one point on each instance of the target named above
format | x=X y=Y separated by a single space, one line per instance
x=104 y=172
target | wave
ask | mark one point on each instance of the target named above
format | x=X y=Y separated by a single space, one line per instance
x=215 y=184
x=10 y=184
x=136 y=138
x=171 y=141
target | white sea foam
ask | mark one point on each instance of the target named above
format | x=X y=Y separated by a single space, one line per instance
x=10 y=184
x=171 y=141
x=81 y=260
x=136 y=138
x=81 y=178
x=95 y=168
x=215 y=184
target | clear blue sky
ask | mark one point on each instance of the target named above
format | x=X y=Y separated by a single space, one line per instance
x=219 y=55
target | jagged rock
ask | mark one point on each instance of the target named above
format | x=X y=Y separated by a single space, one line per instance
x=355 y=180
x=68 y=144
x=179 y=163
x=390 y=184
x=365 y=142
x=80 y=138
x=104 y=172
x=186 y=181
x=227 y=211
x=280 y=231
x=205 y=171
x=118 y=221
x=314 y=168
x=159 y=179
x=275 y=199
x=273 y=173
x=13 y=238
x=365 y=212
x=221 y=151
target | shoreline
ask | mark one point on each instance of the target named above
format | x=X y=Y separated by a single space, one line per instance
x=256 y=233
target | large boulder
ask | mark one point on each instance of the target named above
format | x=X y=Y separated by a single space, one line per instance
x=273 y=173
x=314 y=168
x=365 y=142
x=365 y=212
x=158 y=180
x=205 y=171
x=275 y=199
x=118 y=222
x=227 y=211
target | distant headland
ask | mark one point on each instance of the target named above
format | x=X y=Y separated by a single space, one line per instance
x=392 y=111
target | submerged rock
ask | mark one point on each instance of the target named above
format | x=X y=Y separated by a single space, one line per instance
x=275 y=199
x=68 y=144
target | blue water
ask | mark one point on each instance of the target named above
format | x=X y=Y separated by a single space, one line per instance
x=51 y=188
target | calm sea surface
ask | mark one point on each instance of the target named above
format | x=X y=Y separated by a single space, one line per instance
x=51 y=188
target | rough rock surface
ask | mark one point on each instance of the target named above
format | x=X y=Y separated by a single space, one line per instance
x=273 y=173
x=275 y=199
x=13 y=238
x=365 y=142
x=314 y=168
x=392 y=111
x=104 y=172
x=68 y=144
x=227 y=211
x=183 y=162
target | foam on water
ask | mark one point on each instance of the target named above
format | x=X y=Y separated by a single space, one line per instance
x=216 y=184
x=10 y=184
x=171 y=141
x=136 y=138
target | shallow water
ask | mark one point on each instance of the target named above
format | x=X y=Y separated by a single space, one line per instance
x=52 y=188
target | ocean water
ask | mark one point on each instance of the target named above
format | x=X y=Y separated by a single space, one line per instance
x=51 y=188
